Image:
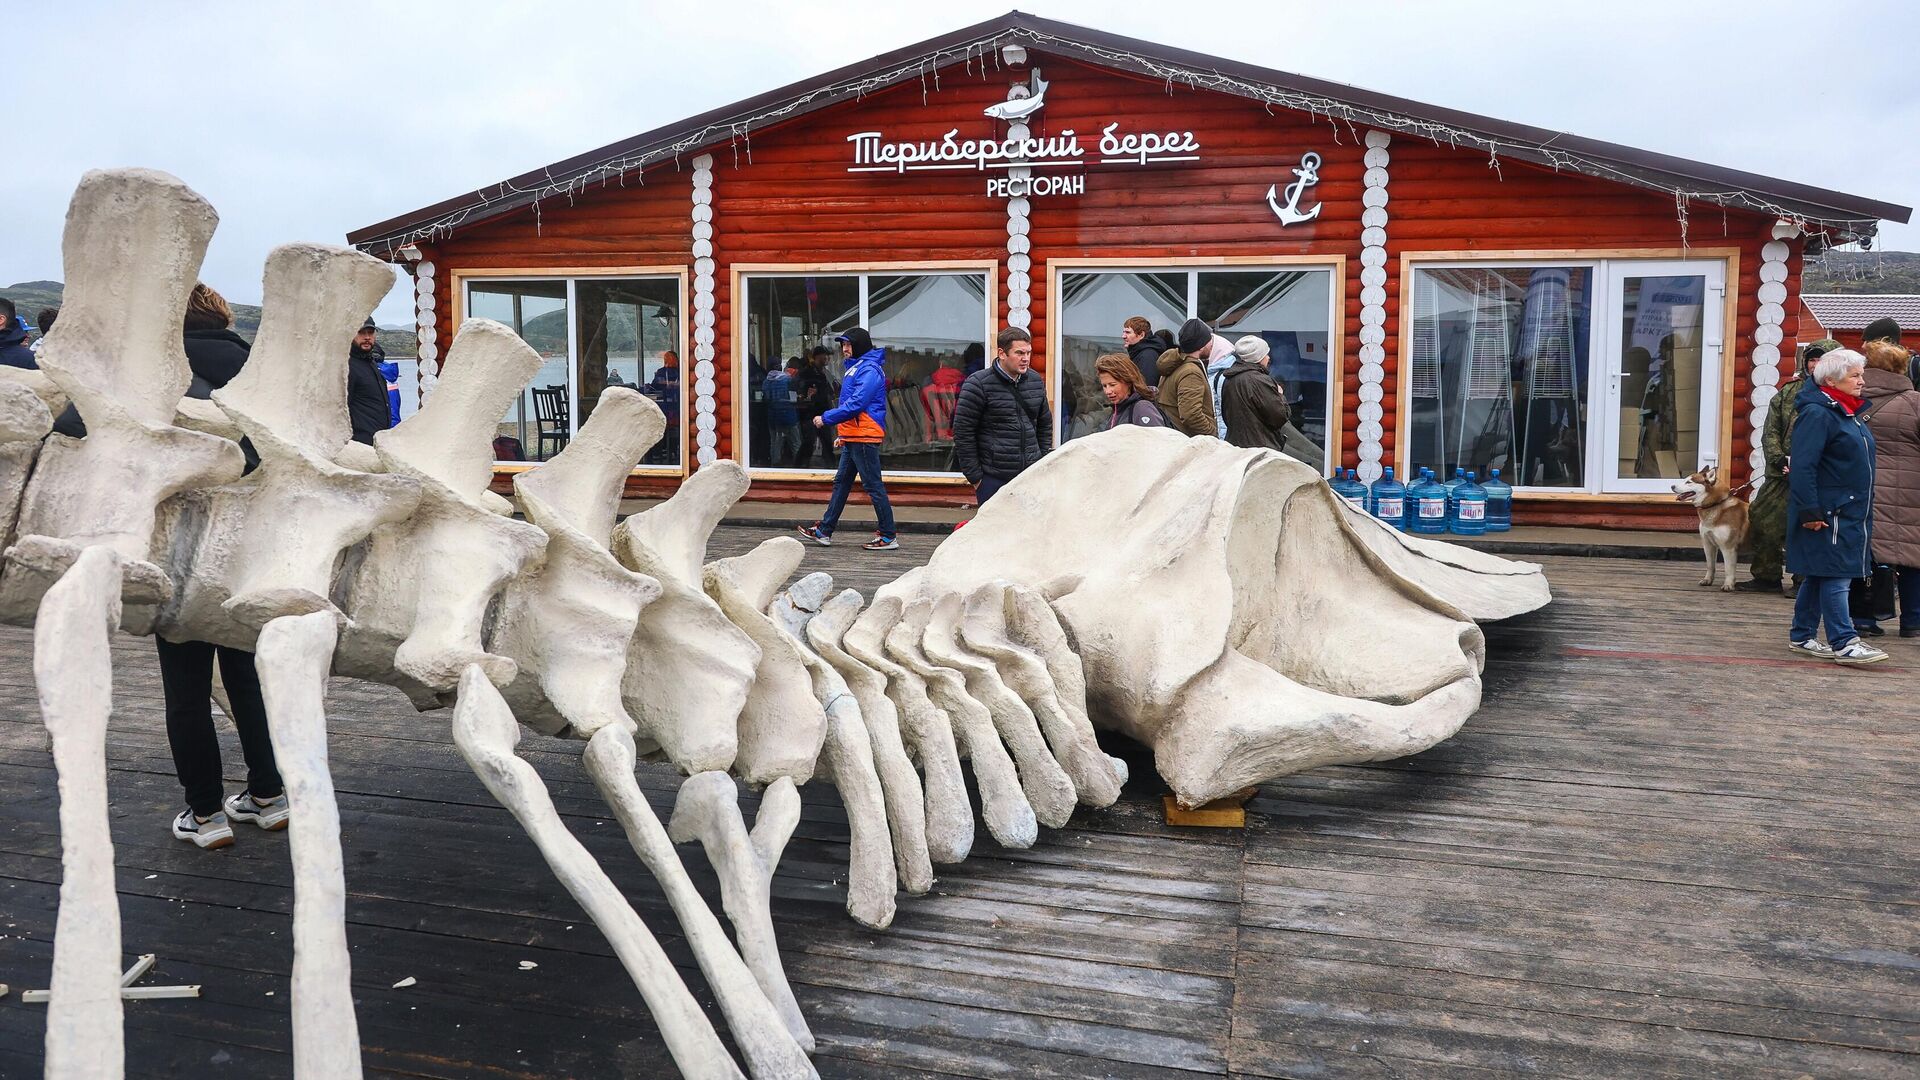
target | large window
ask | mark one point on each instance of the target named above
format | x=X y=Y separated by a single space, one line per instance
x=932 y=324
x=1290 y=308
x=1508 y=368
x=591 y=333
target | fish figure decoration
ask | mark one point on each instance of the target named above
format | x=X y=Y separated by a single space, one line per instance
x=1021 y=106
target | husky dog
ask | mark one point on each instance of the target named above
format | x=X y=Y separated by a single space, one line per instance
x=1723 y=519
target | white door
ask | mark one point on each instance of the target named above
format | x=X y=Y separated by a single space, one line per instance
x=1659 y=367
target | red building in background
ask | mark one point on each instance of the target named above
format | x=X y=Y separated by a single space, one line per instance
x=1436 y=288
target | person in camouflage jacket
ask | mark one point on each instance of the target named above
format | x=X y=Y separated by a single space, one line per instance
x=1767 y=533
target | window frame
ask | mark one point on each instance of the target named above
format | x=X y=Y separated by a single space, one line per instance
x=741 y=273
x=461 y=279
x=1599 y=262
x=1336 y=265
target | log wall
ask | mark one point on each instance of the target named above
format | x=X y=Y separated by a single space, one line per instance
x=784 y=197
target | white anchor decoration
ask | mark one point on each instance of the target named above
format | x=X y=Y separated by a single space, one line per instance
x=1309 y=175
x=1023 y=102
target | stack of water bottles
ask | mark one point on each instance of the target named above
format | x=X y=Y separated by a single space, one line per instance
x=1462 y=506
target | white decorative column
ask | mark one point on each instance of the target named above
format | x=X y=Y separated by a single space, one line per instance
x=1019 y=209
x=1373 y=307
x=706 y=423
x=426 y=329
x=1767 y=336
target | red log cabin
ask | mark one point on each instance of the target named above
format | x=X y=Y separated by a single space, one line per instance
x=1436 y=288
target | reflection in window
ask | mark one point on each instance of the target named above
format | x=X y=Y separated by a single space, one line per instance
x=1289 y=310
x=628 y=334
x=538 y=423
x=1092 y=308
x=623 y=332
x=932 y=326
x=1661 y=339
x=1498 y=375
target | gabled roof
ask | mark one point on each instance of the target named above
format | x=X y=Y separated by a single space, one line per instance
x=1853 y=311
x=1848 y=217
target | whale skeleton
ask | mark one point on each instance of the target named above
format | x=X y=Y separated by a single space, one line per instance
x=1219 y=605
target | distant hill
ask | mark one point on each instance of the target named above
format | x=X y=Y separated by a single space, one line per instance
x=1862 y=272
x=31 y=296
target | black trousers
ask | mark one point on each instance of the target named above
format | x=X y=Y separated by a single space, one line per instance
x=816 y=439
x=186 y=677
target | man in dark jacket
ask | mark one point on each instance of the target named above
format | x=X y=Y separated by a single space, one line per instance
x=813 y=395
x=14 y=350
x=367 y=404
x=1767 y=517
x=1001 y=424
x=1884 y=329
x=1250 y=400
x=1830 y=508
x=1144 y=346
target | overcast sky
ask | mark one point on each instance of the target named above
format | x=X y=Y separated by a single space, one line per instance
x=303 y=121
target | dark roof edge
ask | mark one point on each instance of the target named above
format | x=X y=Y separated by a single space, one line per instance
x=1851 y=216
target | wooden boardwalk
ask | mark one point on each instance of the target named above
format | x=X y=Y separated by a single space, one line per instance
x=1664 y=848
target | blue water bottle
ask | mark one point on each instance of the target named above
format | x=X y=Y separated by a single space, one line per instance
x=1429 y=498
x=1499 y=502
x=1470 y=507
x=1350 y=489
x=1388 y=500
x=1459 y=477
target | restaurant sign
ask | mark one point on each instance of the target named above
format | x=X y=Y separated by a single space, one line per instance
x=1022 y=159
x=872 y=152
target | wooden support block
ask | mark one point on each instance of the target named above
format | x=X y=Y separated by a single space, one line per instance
x=1224 y=813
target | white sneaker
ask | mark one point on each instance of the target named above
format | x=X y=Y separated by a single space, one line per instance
x=1813 y=648
x=1858 y=652
x=270 y=815
x=211 y=833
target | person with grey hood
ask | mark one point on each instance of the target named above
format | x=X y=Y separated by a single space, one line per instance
x=1251 y=407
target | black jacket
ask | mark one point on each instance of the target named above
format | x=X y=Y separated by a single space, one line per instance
x=367 y=404
x=812 y=393
x=1000 y=425
x=1136 y=411
x=1146 y=354
x=1251 y=404
x=214 y=356
x=14 y=350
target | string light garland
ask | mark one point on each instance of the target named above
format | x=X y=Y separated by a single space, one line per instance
x=985 y=51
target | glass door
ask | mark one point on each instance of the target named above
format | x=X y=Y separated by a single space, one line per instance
x=1662 y=349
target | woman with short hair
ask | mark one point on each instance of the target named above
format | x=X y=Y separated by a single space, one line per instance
x=1830 y=507
x=1128 y=394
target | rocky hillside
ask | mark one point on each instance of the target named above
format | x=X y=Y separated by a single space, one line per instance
x=31 y=296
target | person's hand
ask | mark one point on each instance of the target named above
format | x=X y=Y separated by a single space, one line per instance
x=1816 y=526
x=838 y=442
x=817 y=423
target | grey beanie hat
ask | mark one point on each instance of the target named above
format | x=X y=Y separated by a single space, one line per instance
x=1252 y=348
x=1194 y=335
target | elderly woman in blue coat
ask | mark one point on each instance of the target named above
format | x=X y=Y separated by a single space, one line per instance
x=1830 y=507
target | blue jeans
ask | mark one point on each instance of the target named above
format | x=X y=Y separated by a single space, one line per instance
x=1907 y=585
x=1823 y=598
x=862 y=458
x=988 y=485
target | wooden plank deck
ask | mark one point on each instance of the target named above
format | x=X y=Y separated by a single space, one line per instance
x=1664 y=847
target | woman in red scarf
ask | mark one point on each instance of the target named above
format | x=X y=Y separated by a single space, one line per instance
x=1830 y=508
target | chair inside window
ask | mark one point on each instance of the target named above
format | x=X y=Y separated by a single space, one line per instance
x=550 y=419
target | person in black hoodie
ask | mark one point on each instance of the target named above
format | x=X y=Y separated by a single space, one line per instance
x=215 y=354
x=367 y=403
x=14 y=350
x=1145 y=345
